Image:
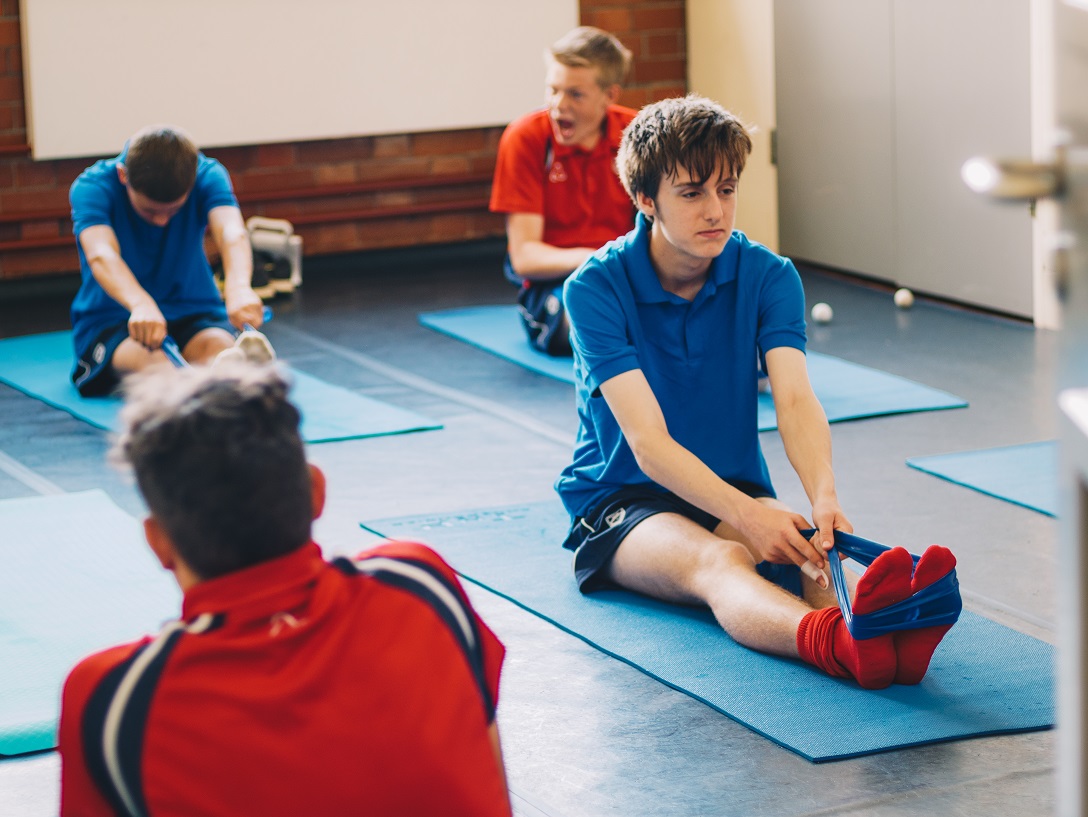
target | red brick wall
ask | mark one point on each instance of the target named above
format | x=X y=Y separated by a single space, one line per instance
x=343 y=195
x=654 y=31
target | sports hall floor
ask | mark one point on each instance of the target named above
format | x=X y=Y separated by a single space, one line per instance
x=583 y=733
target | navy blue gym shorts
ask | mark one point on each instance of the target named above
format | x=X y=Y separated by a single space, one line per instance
x=93 y=373
x=595 y=537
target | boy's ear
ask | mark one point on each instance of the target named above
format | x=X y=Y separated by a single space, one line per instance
x=317 y=490
x=163 y=548
x=122 y=174
x=161 y=544
x=645 y=204
x=613 y=92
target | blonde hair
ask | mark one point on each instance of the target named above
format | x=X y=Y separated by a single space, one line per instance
x=589 y=47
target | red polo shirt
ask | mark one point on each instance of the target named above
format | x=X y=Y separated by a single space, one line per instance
x=295 y=687
x=577 y=191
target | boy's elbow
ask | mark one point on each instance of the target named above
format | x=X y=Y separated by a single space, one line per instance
x=99 y=258
x=235 y=235
x=794 y=401
x=645 y=457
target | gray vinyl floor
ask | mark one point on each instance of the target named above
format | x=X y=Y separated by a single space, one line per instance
x=585 y=734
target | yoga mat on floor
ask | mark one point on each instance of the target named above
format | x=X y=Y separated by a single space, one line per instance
x=498 y=330
x=77 y=577
x=985 y=678
x=1025 y=475
x=40 y=365
x=846 y=390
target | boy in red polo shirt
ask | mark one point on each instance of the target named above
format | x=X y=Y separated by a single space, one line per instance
x=289 y=685
x=555 y=178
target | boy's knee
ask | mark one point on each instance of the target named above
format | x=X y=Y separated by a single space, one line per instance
x=207 y=343
x=724 y=557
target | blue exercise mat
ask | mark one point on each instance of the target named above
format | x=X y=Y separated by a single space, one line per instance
x=498 y=330
x=1025 y=475
x=39 y=366
x=846 y=390
x=985 y=678
x=77 y=577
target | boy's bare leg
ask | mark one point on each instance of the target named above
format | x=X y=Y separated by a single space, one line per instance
x=206 y=344
x=131 y=356
x=669 y=557
x=815 y=595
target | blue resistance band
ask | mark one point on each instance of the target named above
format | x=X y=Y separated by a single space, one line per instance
x=933 y=606
x=173 y=353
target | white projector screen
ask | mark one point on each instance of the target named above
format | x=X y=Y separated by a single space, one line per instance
x=239 y=72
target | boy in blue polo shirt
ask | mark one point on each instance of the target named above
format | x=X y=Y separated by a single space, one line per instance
x=139 y=220
x=668 y=490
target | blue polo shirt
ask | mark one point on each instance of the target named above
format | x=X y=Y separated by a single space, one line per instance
x=169 y=262
x=699 y=358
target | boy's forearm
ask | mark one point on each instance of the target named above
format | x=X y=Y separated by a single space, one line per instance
x=237 y=262
x=535 y=260
x=806 y=437
x=118 y=281
x=660 y=457
x=678 y=470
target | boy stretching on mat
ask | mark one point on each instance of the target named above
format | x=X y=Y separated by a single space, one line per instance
x=668 y=490
x=139 y=220
x=289 y=685
x=555 y=178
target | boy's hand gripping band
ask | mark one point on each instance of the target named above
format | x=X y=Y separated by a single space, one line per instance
x=936 y=605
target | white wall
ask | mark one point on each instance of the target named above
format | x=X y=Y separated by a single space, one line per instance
x=253 y=71
x=731 y=60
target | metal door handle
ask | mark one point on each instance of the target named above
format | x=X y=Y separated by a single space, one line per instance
x=1013 y=180
x=1016 y=179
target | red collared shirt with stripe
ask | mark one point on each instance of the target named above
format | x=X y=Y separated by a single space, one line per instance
x=293 y=687
x=577 y=191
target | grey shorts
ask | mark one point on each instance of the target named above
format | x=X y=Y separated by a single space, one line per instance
x=595 y=537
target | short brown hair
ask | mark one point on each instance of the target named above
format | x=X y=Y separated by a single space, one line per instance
x=161 y=163
x=218 y=458
x=589 y=47
x=692 y=132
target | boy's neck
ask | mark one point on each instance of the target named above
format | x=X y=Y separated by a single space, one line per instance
x=590 y=142
x=681 y=274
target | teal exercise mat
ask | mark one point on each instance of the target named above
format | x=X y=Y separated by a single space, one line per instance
x=846 y=390
x=985 y=679
x=40 y=365
x=498 y=330
x=77 y=577
x=1025 y=475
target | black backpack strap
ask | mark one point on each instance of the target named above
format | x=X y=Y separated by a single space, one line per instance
x=432 y=587
x=115 y=719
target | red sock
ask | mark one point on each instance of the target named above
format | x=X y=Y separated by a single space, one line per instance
x=914 y=648
x=824 y=641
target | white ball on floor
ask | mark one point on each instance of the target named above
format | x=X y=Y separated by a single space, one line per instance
x=904 y=298
x=821 y=313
